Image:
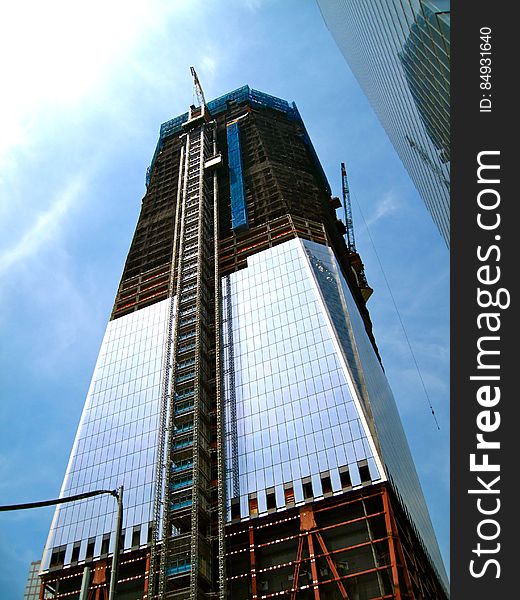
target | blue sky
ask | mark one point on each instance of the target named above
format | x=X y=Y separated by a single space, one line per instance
x=86 y=87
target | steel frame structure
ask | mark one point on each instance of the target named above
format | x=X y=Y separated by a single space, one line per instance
x=132 y=577
x=353 y=546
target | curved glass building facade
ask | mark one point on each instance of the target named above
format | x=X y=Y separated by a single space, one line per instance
x=399 y=51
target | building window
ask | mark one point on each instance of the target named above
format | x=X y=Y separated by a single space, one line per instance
x=136 y=537
x=364 y=471
x=344 y=477
x=326 y=484
x=307 y=488
x=253 y=504
x=288 y=493
x=90 y=548
x=75 y=552
x=122 y=540
x=270 y=499
x=58 y=556
x=235 y=508
x=105 y=543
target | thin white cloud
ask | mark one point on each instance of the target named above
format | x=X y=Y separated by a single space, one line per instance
x=44 y=228
x=209 y=65
x=254 y=5
x=388 y=205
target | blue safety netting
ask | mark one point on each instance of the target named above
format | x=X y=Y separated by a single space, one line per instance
x=240 y=95
x=239 y=220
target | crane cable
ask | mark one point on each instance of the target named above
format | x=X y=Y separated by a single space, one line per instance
x=398 y=313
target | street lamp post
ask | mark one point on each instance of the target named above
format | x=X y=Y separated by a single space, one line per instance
x=115 y=557
x=83 y=594
x=119 y=524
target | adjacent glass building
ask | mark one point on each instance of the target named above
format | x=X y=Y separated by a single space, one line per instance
x=32 y=587
x=399 y=52
x=238 y=395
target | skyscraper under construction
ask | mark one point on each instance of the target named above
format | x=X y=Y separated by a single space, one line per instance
x=238 y=395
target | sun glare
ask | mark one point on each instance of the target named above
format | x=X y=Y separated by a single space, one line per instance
x=55 y=53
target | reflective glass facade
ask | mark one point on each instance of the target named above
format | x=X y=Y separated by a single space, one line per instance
x=399 y=52
x=312 y=402
x=32 y=587
x=115 y=443
x=376 y=397
x=297 y=416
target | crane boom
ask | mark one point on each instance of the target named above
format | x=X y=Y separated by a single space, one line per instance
x=351 y=242
x=198 y=88
x=355 y=259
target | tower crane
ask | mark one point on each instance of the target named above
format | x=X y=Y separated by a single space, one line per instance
x=350 y=240
x=198 y=88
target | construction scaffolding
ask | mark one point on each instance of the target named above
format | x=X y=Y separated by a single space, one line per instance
x=187 y=558
x=132 y=579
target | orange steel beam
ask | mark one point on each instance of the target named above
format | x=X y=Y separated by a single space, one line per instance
x=98 y=584
x=100 y=592
x=391 y=547
x=146 y=577
x=327 y=527
x=252 y=561
x=99 y=579
x=307 y=524
x=296 y=575
x=314 y=571
x=396 y=565
x=332 y=566
x=400 y=551
x=343 y=578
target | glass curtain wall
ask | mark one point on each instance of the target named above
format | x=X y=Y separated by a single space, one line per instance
x=311 y=413
x=116 y=442
x=399 y=51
